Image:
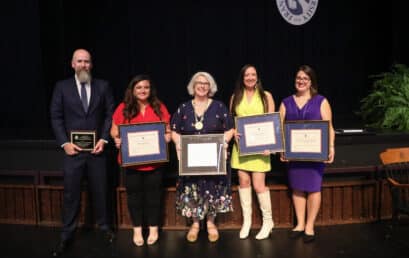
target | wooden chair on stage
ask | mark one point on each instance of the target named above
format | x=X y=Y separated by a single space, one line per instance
x=396 y=167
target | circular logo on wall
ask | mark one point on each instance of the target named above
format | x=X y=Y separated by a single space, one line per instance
x=297 y=12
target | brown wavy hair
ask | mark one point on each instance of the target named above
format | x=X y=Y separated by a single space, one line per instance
x=239 y=89
x=131 y=103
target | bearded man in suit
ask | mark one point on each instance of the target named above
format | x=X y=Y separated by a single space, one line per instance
x=82 y=103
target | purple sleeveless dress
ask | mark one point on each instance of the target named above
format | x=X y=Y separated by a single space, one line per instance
x=304 y=175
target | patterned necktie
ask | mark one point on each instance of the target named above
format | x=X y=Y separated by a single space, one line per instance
x=84 y=98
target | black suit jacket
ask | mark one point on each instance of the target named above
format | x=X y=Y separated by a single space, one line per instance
x=67 y=113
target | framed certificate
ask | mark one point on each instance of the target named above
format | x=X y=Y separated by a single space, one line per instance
x=84 y=139
x=306 y=140
x=259 y=133
x=202 y=154
x=143 y=144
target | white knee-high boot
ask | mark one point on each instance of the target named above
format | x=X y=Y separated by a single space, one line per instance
x=265 y=207
x=245 y=201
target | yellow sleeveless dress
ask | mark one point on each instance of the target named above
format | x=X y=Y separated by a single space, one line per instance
x=251 y=163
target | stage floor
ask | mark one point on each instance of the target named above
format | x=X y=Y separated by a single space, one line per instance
x=349 y=241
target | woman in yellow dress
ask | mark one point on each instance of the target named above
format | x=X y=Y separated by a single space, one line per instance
x=249 y=98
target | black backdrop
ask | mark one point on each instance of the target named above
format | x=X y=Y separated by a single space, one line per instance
x=346 y=41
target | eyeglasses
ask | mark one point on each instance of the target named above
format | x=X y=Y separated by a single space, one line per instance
x=207 y=84
x=302 y=79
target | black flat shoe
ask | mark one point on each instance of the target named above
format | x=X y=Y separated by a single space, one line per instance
x=308 y=238
x=295 y=234
x=61 y=248
x=109 y=236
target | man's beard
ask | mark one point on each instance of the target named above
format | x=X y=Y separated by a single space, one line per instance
x=84 y=76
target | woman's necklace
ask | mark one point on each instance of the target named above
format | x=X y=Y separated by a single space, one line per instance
x=199 y=119
x=199 y=122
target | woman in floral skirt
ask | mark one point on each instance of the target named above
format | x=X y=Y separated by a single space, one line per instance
x=202 y=197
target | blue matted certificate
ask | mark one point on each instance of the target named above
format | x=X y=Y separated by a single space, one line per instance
x=143 y=143
x=259 y=133
x=306 y=140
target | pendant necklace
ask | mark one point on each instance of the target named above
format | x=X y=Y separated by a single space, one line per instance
x=199 y=122
x=199 y=119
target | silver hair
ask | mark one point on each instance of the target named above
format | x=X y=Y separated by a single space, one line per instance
x=209 y=78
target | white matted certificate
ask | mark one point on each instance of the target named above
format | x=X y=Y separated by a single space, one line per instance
x=202 y=154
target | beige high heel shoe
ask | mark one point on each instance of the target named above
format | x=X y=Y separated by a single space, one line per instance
x=137 y=236
x=153 y=235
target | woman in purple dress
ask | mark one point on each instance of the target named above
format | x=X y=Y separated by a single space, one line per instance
x=202 y=197
x=305 y=178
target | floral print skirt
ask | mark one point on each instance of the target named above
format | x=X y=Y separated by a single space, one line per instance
x=202 y=196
